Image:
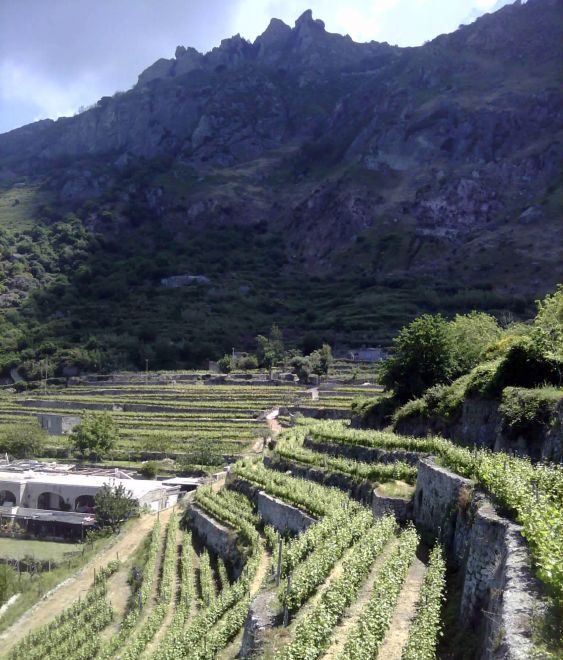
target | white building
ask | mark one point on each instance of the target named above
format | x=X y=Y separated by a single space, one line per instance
x=75 y=491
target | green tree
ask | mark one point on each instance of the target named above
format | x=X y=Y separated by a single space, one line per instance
x=423 y=355
x=547 y=331
x=96 y=434
x=471 y=334
x=113 y=505
x=22 y=440
x=247 y=362
x=271 y=348
x=225 y=364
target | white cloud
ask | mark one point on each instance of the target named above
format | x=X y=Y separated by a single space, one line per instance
x=19 y=85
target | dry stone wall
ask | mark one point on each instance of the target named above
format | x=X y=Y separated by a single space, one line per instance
x=382 y=505
x=359 y=490
x=282 y=516
x=219 y=538
x=363 y=454
x=500 y=594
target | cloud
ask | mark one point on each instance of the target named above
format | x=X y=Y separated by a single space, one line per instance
x=57 y=55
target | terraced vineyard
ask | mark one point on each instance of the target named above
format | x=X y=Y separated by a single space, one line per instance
x=220 y=421
x=345 y=584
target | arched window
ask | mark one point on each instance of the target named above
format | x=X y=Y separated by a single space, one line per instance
x=84 y=504
x=51 y=502
x=7 y=498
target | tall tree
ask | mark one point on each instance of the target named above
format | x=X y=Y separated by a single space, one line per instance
x=96 y=435
x=113 y=505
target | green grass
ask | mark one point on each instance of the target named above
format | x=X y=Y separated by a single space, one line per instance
x=18 y=207
x=396 y=489
x=39 y=550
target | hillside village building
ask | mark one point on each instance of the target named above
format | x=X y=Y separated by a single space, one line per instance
x=50 y=499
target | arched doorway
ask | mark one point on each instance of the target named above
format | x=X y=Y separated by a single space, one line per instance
x=7 y=498
x=84 y=504
x=51 y=502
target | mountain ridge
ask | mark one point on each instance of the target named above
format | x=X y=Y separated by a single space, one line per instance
x=397 y=178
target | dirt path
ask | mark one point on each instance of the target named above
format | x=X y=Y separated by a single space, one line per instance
x=76 y=586
x=352 y=613
x=405 y=610
x=274 y=426
x=153 y=645
x=118 y=595
x=230 y=652
x=278 y=637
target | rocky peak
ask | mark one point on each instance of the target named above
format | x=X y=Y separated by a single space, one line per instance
x=306 y=22
x=231 y=52
x=273 y=38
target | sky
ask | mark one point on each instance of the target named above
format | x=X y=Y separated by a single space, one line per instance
x=58 y=56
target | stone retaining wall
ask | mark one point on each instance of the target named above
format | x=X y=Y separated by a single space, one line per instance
x=500 y=594
x=282 y=516
x=382 y=505
x=359 y=490
x=219 y=538
x=364 y=454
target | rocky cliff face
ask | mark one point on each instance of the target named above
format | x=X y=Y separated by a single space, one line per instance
x=438 y=165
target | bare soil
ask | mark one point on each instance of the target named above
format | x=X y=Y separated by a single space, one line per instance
x=405 y=611
x=352 y=613
x=76 y=586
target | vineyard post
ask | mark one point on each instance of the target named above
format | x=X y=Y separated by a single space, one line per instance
x=286 y=604
x=280 y=546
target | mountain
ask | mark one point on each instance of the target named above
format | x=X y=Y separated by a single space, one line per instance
x=334 y=187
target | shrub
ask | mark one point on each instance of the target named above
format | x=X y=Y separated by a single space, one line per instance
x=376 y=412
x=23 y=440
x=525 y=365
x=528 y=411
x=225 y=364
x=413 y=408
x=149 y=469
x=422 y=356
x=247 y=362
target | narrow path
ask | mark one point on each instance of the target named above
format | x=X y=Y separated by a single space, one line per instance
x=153 y=645
x=279 y=637
x=274 y=426
x=352 y=613
x=119 y=591
x=405 y=611
x=76 y=586
x=153 y=597
x=230 y=652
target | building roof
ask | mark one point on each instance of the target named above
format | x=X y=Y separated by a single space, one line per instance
x=139 y=487
x=71 y=517
x=183 y=481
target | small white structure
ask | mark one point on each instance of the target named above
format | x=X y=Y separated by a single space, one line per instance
x=367 y=355
x=58 y=424
x=74 y=491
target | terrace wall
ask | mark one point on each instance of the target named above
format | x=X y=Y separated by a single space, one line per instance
x=500 y=594
x=219 y=538
x=364 y=454
x=480 y=424
x=359 y=490
x=282 y=516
